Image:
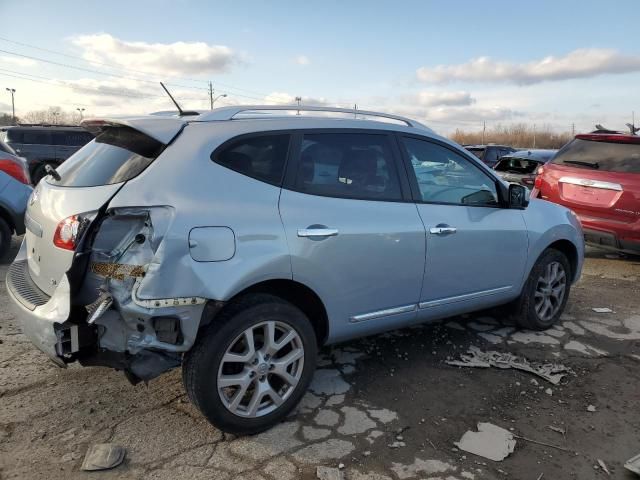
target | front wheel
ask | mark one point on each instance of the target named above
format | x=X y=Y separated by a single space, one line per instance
x=251 y=365
x=545 y=292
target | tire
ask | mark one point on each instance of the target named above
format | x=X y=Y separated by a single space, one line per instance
x=530 y=309
x=6 y=233
x=207 y=364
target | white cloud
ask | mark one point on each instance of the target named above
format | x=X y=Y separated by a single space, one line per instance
x=302 y=60
x=434 y=99
x=179 y=58
x=283 y=98
x=21 y=62
x=581 y=63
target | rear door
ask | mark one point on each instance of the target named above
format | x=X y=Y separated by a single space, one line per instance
x=354 y=235
x=476 y=250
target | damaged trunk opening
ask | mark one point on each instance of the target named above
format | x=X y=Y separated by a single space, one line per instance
x=111 y=324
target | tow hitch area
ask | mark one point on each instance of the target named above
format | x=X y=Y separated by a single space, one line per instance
x=143 y=336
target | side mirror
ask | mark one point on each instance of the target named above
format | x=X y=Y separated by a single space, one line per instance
x=518 y=196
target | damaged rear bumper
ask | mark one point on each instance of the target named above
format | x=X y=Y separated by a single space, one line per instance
x=43 y=318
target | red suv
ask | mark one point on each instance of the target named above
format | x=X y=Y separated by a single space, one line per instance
x=597 y=175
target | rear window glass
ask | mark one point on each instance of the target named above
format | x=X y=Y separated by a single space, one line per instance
x=262 y=157
x=516 y=165
x=37 y=137
x=608 y=157
x=478 y=152
x=118 y=154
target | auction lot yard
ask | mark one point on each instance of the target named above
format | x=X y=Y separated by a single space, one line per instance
x=386 y=407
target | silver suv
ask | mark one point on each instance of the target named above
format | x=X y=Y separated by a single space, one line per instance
x=238 y=241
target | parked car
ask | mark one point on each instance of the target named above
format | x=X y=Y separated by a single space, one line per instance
x=597 y=175
x=14 y=192
x=490 y=154
x=45 y=145
x=521 y=166
x=276 y=235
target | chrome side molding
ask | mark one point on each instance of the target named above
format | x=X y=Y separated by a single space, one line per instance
x=383 y=313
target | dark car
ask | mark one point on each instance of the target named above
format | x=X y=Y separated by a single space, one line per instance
x=15 y=189
x=489 y=154
x=44 y=144
x=521 y=166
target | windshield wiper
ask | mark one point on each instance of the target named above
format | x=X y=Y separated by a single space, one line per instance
x=584 y=164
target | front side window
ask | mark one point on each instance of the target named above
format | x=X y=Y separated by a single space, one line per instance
x=261 y=157
x=445 y=176
x=348 y=165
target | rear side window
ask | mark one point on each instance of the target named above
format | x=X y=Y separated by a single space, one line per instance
x=118 y=154
x=37 y=137
x=349 y=165
x=262 y=157
x=14 y=136
x=608 y=157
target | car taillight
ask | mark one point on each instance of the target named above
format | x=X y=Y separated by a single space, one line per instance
x=15 y=169
x=538 y=182
x=70 y=231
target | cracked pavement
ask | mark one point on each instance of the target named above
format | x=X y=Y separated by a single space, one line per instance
x=385 y=407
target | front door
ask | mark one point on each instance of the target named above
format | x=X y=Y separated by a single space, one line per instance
x=476 y=250
x=354 y=235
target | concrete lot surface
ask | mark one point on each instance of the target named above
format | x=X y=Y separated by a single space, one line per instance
x=385 y=407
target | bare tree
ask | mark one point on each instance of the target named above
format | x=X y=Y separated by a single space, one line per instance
x=517 y=135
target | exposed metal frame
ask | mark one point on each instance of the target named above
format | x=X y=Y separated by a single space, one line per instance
x=228 y=113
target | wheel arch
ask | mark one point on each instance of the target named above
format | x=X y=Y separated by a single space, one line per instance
x=570 y=251
x=293 y=292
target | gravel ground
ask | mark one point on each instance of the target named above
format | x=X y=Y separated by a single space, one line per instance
x=385 y=407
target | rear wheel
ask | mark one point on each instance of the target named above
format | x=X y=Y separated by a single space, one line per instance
x=545 y=293
x=252 y=364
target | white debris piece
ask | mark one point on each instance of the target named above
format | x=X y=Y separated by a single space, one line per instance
x=490 y=441
x=103 y=456
x=552 y=372
x=548 y=391
x=603 y=466
x=591 y=408
x=602 y=310
x=633 y=464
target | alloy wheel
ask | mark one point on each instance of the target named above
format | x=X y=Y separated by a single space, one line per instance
x=550 y=291
x=260 y=369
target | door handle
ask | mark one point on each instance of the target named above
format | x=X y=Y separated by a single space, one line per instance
x=317 y=232
x=442 y=230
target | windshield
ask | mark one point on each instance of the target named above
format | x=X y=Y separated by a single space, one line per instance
x=605 y=156
x=516 y=165
x=116 y=155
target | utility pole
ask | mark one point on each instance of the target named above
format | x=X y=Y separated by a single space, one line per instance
x=355 y=108
x=211 y=95
x=484 y=128
x=534 y=135
x=80 y=110
x=12 y=91
x=573 y=129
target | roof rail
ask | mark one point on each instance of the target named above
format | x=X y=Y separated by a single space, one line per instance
x=228 y=113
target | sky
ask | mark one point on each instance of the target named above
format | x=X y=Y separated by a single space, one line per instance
x=453 y=64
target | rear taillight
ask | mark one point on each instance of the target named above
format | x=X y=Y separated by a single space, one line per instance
x=15 y=169
x=538 y=182
x=70 y=231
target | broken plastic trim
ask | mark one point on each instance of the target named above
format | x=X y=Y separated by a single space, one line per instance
x=163 y=302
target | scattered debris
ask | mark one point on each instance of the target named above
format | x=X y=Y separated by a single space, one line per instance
x=490 y=441
x=603 y=466
x=561 y=431
x=602 y=310
x=591 y=408
x=633 y=464
x=552 y=372
x=540 y=476
x=548 y=391
x=329 y=473
x=397 y=444
x=103 y=456
x=544 y=444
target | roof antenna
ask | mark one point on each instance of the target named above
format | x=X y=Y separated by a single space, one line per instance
x=181 y=112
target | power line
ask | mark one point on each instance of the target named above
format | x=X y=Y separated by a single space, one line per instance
x=228 y=86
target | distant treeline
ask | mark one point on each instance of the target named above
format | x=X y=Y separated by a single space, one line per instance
x=517 y=135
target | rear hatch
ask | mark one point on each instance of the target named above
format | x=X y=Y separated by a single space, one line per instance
x=63 y=205
x=597 y=176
